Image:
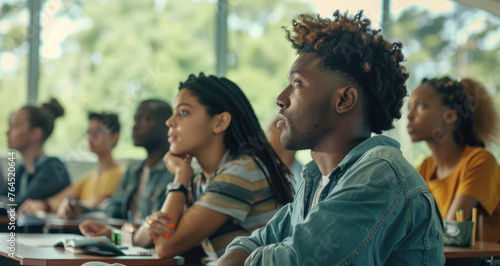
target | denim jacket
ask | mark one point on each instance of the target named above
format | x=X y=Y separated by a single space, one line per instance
x=151 y=198
x=376 y=210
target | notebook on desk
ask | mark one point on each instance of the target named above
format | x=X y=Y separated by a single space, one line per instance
x=42 y=218
x=99 y=246
x=28 y=220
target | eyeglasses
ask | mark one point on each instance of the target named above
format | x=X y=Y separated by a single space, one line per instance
x=97 y=132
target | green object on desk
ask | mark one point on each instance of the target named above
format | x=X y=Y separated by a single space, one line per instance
x=458 y=233
x=116 y=236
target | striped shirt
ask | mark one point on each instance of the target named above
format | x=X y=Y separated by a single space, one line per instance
x=239 y=189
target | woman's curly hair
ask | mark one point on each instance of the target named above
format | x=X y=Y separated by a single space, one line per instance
x=483 y=111
x=455 y=98
x=350 y=46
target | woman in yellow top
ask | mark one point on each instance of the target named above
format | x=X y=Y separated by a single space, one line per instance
x=97 y=185
x=457 y=120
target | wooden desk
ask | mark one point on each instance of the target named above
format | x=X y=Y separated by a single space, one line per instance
x=480 y=249
x=28 y=254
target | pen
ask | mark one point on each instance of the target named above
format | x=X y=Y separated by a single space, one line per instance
x=69 y=202
x=130 y=217
x=474 y=219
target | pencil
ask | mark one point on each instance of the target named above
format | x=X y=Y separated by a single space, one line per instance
x=70 y=199
x=474 y=219
x=130 y=217
x=457 y=214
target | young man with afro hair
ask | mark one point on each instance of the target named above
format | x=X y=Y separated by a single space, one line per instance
x=361 y=202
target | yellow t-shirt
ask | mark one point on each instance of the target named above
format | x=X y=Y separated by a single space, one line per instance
x=476 y=175
x=92 y=185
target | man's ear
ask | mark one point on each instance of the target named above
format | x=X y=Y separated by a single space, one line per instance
x=450 y=117
x=221 y=122
x=345 y=99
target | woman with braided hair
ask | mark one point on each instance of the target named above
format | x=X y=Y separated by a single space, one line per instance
x=457 y=120
x=360 y=201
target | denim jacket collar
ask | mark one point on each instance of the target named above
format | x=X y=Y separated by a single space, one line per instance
x=159 y=167
x=311 y=169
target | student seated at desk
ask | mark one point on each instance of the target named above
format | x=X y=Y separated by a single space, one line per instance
x=361 y=202
x=457 y=120
x=97 y=185
x=142 y=189
x=242 y=182
x=39 y=176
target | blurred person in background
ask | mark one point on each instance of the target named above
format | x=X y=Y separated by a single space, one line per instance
x=39 y=176
x=457 y=120
x=142 y=189
x=97 y=185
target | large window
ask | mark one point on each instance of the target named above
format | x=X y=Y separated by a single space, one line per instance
x=108 y=55
x=14 y=20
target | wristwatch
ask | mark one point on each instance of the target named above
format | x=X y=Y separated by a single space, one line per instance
x=177 y=186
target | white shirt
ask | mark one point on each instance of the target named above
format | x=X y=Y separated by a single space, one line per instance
x=324 y=181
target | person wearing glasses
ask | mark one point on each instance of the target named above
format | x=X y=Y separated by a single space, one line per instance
x=98 y=184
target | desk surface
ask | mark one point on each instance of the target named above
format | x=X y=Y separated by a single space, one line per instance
x=480 y=249
x=30 y=251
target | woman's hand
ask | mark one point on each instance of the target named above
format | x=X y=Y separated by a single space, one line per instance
x=69 y=209
x=95 y=228
x=158 y=224
x=130 y=228
x=180 y=165
x=31 y=207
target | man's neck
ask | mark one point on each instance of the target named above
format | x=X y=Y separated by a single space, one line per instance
x=330 y=153
x=155 y=155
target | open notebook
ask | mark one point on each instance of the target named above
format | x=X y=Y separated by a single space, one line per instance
x=99 y=246
x=42 y=217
